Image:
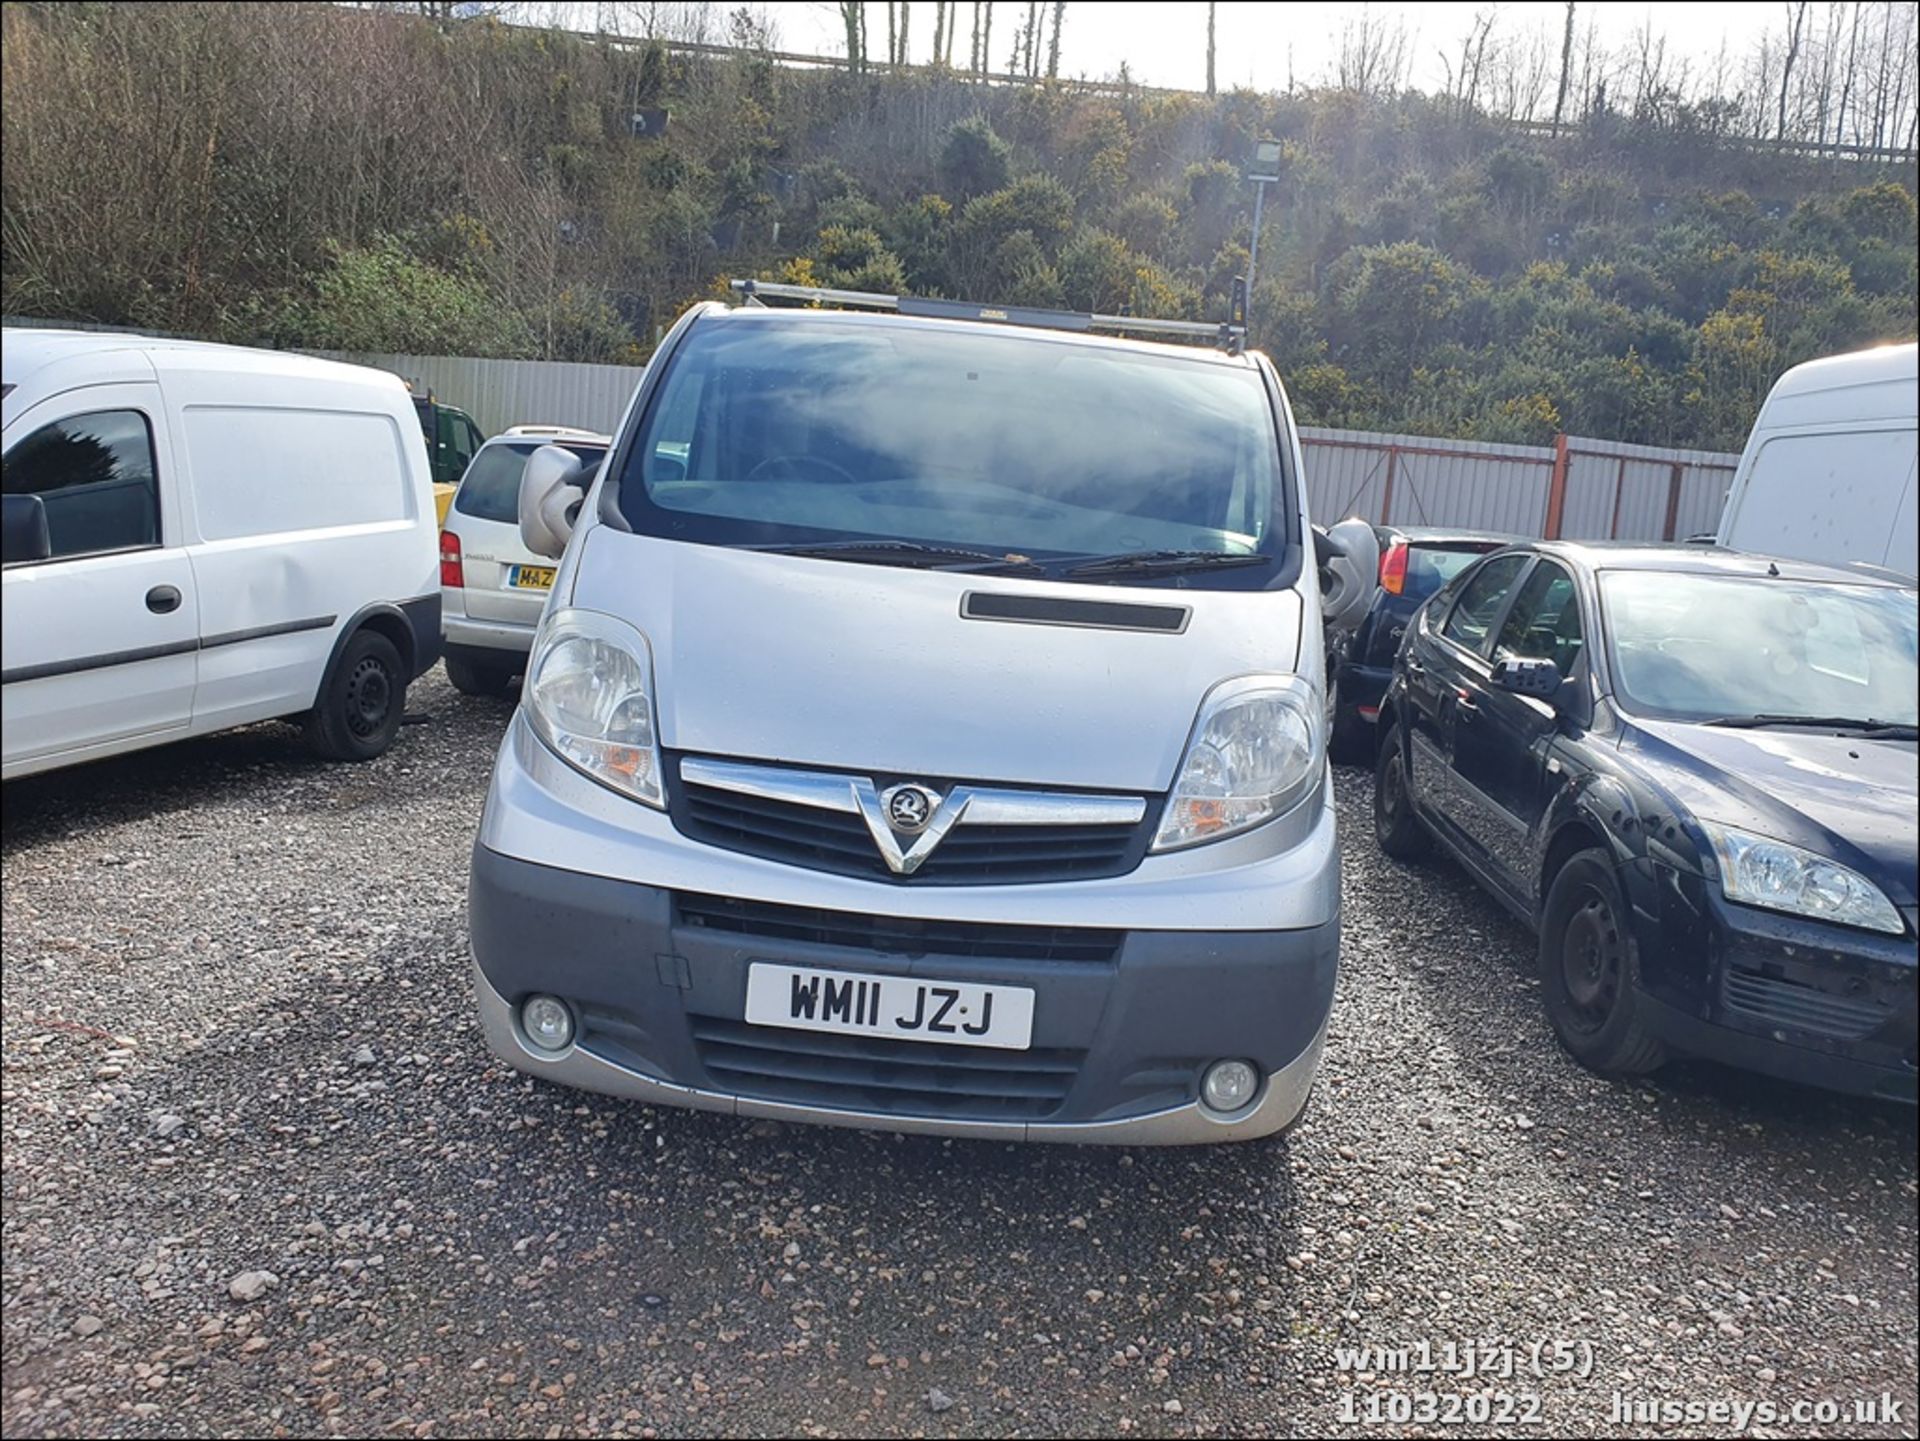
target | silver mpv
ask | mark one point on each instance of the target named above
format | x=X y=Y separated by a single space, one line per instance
x=926 y=732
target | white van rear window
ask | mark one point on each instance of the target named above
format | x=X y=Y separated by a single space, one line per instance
x=265 y=470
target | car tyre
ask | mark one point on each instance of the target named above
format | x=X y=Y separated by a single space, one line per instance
x=1400 y=832
x=471 y=677
x=1589 y=967
x=358 y=714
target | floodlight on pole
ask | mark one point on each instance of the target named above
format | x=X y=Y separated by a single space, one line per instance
x=1264 y=170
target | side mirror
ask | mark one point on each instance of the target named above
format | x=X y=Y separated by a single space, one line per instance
x=550 y=488
x=1348 y=557
x=1537 y=678
x=23 y=529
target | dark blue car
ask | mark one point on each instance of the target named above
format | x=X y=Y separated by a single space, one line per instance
x=1414 y=563
x=1692 y=772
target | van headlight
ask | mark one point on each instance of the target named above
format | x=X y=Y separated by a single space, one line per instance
x=1759 y=872
x=1258 y=747
x=589 y=696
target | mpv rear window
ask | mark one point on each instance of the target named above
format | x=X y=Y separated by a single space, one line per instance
x=491 y=488
x=1429 y=568
x=774 y=431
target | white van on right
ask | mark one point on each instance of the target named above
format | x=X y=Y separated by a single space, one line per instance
x=1829 y=471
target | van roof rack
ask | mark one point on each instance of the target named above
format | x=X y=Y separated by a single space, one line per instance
x=1229 y=336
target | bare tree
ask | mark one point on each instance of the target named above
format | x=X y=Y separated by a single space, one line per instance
x=1797 y=14
x=1518 y=73
x=986 y=36
x=1650 y=64
x=973 y=61
x=1823 y=89
x=1882 y=82
x=1053 y=46
x=853 y=16
x=1846 y=83
x=1463 y=85
x=901 y=58
x=1372 y=58
x=1566 y=70
x=1211 y=7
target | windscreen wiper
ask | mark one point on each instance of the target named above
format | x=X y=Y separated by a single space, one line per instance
x=1864 y=726
x=913 y=553
x=1164 y=562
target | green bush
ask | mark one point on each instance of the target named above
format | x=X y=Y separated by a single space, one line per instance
x=857 y=260
x=1097 y=271
x=380 y=298
x=974 y=160
x=1391 y=303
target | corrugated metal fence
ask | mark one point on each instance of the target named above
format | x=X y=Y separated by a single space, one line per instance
x=1577 y=487
x=500 y=393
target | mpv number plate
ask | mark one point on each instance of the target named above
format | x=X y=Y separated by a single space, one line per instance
x=903 y=1008
x=530 y=577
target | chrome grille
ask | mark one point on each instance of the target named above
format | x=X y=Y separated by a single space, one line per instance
x=815 y=819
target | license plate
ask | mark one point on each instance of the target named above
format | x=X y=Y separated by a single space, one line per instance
x=904 y=1008
x=530 y=577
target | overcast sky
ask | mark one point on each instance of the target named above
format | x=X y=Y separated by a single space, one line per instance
x=1164 y=42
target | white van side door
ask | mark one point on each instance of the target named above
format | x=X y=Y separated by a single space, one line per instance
x=303 y=512
x=101 y=638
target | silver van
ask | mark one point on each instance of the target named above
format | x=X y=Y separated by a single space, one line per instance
x=926 y=732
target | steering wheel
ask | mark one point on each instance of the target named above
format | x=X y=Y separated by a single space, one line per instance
x=792 y=467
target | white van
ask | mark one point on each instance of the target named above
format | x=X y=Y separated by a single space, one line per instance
x=198 y=537
x=926 y=732
x=1829 y=471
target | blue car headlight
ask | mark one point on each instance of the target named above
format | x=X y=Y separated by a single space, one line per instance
x=1758 y=871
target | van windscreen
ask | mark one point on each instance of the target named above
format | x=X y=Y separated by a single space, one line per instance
x=786 y=432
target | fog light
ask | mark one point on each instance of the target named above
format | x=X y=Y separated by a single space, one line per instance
x=1229 y=1085
x=547 y=1022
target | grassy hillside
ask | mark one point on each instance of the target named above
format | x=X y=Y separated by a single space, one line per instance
x=313 y=175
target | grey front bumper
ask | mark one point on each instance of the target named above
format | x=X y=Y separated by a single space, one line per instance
x=1144 y=1025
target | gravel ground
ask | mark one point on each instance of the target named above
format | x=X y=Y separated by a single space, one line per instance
x=238 y=1039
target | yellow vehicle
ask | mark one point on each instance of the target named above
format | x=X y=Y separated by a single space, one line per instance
x=452 y=439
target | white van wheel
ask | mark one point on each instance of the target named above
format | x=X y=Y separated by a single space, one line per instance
x=358 y=714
